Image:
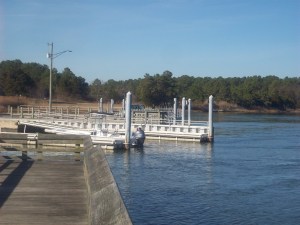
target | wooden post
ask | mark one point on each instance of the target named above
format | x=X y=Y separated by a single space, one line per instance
x=24 y=155
x=39 y=151
x=39 y=155
x=11 y=111
x=77 y=153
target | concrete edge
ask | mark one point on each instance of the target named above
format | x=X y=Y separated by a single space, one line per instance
x=105 y=204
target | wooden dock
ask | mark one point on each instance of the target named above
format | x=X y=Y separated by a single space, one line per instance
x=57 y=180
x=42 y=192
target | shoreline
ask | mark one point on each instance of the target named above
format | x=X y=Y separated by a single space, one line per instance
x=219 y=106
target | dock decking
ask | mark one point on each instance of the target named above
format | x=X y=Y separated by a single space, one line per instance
x=42 y=192
x=57 y=179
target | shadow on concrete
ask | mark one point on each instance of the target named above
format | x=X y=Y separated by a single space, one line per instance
x=13 y=178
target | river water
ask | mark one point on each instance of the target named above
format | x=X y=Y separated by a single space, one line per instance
x=249 y=175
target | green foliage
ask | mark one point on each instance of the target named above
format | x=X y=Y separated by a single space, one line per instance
x=95 y=89
x=32 y=79
x=158 y=89
x=70 y=85
x=13 y=80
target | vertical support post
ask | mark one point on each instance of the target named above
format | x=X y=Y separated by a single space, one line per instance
x=189 y=111
x=39 y=153
x=24 y=155
x=175 y=111
x=210 y=119
x=11 y=112
x=50 y=55
x=21 y=112
x=182 y=111
x=123 y=107
x=112 y=105
x=128 y=120
x=77 y=153
x=32 y=112
x=100 y=105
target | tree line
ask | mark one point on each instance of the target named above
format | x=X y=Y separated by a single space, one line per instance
x=32 y=80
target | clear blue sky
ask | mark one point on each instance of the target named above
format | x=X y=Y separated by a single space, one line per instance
x=124 y=39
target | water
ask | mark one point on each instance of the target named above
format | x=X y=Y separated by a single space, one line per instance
x=249 y=175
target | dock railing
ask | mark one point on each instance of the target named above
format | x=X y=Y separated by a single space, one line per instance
x=37 y=144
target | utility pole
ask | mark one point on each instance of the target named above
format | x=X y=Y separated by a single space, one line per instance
x=52 y=56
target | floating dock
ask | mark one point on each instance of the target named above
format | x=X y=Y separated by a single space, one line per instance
x=157 y=124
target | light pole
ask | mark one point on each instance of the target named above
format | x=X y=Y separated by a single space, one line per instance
x=52 y=56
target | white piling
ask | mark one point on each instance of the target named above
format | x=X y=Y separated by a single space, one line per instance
x=100 y=105
x=182 y=111
x=128 y=120
x=189 y=111
x=123 y=108
x=210 y=119
x=112 y=105
x=175 y=111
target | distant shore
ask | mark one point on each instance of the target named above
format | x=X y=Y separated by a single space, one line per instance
x=219 y=106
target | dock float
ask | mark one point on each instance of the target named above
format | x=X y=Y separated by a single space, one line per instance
x=157 y=124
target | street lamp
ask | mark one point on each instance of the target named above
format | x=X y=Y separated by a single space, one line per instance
x=52 y=56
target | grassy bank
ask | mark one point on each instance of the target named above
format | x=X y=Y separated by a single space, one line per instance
x=220 y=106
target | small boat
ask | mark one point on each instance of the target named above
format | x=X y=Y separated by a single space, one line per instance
x=138 y=138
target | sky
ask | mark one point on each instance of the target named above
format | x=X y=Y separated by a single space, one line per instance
x=125 y=39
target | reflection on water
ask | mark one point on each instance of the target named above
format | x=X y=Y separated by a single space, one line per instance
x=249 y=175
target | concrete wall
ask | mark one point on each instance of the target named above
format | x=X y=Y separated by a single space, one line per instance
x=105 y=202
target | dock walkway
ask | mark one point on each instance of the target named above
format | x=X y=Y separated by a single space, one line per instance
x=42 y=192
x=57 y=179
